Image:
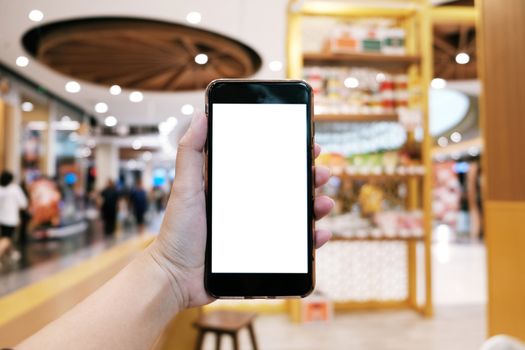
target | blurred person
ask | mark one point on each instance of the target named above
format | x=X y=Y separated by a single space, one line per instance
x=139 y=204
x=158 y=197
x=12 y=199
x=121 y=316
x=25 y=216
x=108 y=209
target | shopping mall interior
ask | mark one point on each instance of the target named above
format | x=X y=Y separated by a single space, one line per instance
x=418 y=110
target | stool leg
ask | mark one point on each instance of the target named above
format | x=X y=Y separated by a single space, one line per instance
x=252 y=336
x=218 y=338
x=200 y=338
x=235 y=341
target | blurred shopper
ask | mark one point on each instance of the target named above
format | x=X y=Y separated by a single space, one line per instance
x=108 y=210
x=12 y=199
x=158 y=196
x=139 y=204
x=25 y=216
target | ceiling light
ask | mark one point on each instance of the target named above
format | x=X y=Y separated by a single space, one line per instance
x=137 y=144
x=101 y=107
x=115 y=90
x=473 y=151
x=193 y=17
x=147 y=156
x=136 y=96
x=65 y=118
x=27 y=106
x=455 y=137
x=201 y=58
x=122 y=130
x=22 y=61
x=276 y=66
x=351 y=82
x=380 y=77
x=187 y=109
x=36 y=15
x=110 y=121
x=438 y=83
x=72 y=87
x=462 y=58
x=443 y=141
x=173 y=121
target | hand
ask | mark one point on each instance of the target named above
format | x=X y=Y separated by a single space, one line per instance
x=180 y=247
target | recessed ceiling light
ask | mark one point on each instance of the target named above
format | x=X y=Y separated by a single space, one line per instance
x=276 y=66
x=115 y=90
x=136 y=96
x=380 y=77
x=193 y=17
x=110 y=121
x=137 y=144
x=101 y=107
x=187 y=109
x=443 y=141
x=22 y=61
x=27 y=106
x=173 y=121
x=201 y=58
x=351 y=82
x=462 y=58
x=36 y=15
x=65 y=118
x=455 y=137
x=72 y=87
x=438 y=83
x=165 y=128
x=132 y=164
x=147 y=156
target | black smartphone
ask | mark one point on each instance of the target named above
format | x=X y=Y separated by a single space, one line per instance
x=259 y=189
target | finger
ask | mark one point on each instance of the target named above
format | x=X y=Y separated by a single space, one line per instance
x=190 y=159
x=317 y=150
x=321 y=237
x=322 y=206
x=322 y=174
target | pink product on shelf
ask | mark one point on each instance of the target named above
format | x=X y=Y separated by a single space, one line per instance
x=400 y=223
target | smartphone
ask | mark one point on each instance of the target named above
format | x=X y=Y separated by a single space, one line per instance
x=259 y=189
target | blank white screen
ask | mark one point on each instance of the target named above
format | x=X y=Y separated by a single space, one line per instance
x=259 y=183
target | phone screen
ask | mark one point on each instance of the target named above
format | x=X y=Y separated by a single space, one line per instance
x=260 y=194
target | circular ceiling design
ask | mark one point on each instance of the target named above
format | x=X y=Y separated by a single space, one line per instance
x=139 y=54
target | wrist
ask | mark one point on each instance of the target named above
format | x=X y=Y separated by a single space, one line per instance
x=171 y=276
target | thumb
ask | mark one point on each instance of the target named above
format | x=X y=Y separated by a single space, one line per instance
x=190 y=160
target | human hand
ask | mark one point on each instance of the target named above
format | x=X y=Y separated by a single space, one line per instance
x=180 y=247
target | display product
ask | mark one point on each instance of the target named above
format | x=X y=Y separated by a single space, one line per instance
x=259 y=189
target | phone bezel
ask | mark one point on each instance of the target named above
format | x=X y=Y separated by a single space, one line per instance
x=260 y=285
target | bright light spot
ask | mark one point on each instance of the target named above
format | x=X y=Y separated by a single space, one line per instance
x=201 y=58
x=36 y=15
x=147 y=156
x=173 y=121
x=462 y=58
x=276 y=66
x=194 y=17
x=132 y=164
x=137 y=144
x=72 y=87
x=27 y=106
x=110 y=121
x=86 y=152
x=91 y=143
x=187 y=109
x=351 y=82
x=455 y=137
x=443 y=141
x=122 y=129
x=136 y=96
x=37 y=125
x=456 y=155
x=65 y=118
x=22 y=61
x=115 y=90
x=101 y=107
x=165 y=128
x=443 y=236
x=380 y=77
x=473 y=151
x=438 y=83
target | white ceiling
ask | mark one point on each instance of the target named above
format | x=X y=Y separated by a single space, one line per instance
x=260 y=24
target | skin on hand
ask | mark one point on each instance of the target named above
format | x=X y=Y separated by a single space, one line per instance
x=180 y=248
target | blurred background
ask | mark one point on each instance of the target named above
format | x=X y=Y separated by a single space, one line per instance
x=418 y=109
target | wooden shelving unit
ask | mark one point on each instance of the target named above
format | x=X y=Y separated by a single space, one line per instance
x=415 y=18
x=337 y=59
x=362 y=118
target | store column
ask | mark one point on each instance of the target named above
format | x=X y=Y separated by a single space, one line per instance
x=106 y=163
x=502 y=50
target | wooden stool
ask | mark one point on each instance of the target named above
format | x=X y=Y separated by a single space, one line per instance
x=225 y=322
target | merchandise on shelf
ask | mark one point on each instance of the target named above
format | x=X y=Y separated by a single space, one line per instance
x=357 y=90
x=374 y=38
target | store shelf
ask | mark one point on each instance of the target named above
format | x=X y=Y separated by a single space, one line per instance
x=358 y=118
x=384 y=177
x=340 y=238
x=330 y=59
